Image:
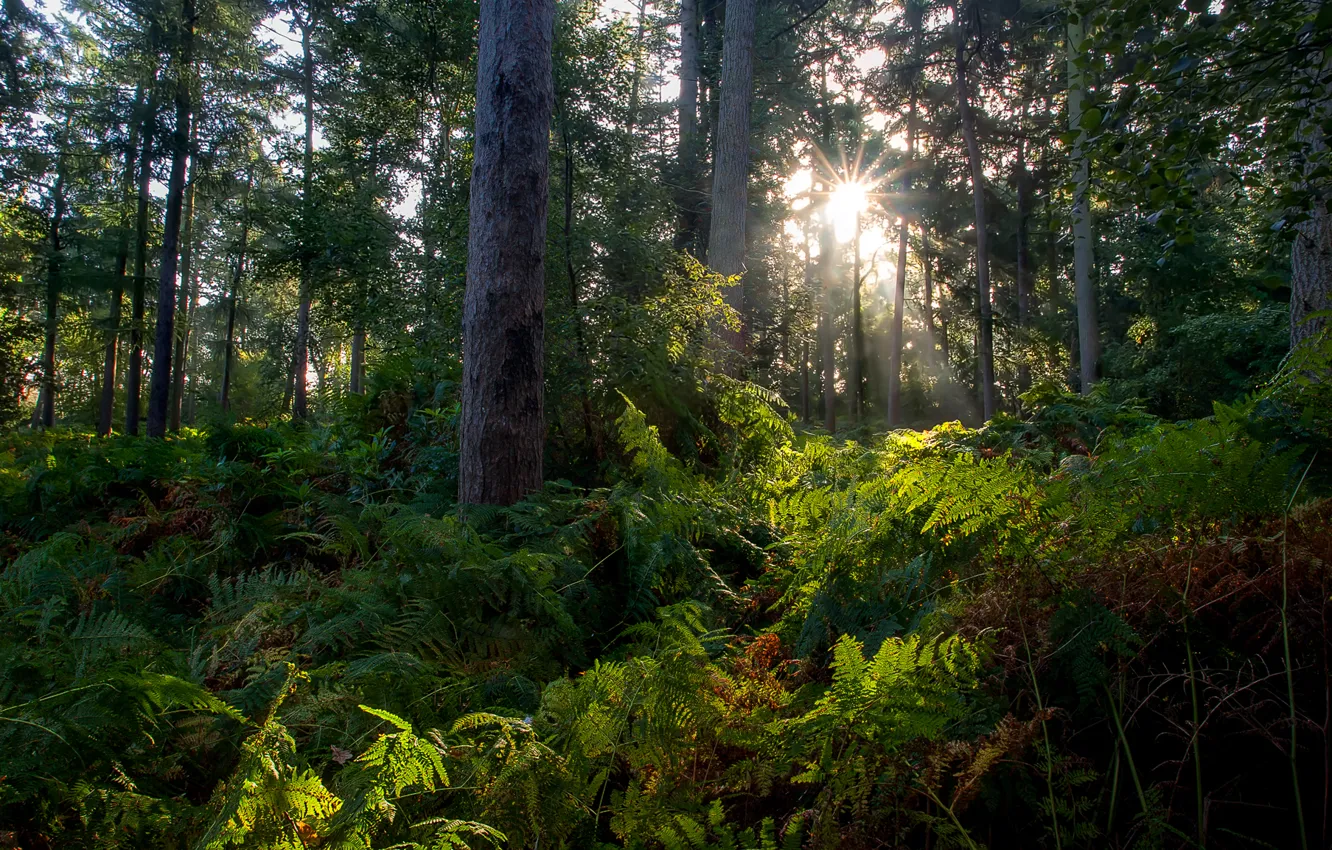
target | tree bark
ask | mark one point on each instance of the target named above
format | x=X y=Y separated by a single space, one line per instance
x=827 y=336
x=159 y=391
x=927 y=266
x=985 y=337
x=899 y=290
x=44 y=414
x=503 y=425
x=688 y=151
x=188 y=288
x=229 y=343
x=1024 y=276
x=1083 y=289
x=299 y=408
x=134 y=375
x=1310 y=277
x=857 y=332
x=358 y=361
x=726 y=238
x=112 y=347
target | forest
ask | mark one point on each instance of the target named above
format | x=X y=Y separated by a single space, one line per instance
x=665 y=424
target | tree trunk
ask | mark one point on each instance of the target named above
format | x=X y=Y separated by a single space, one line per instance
x=804 y=381
x=1084 y=291
x=1024 y=276
x=985 y=340
x=726 y=239
x=827 y=336
x=358 y=361
x=1310 y=277
x=44 y=414
x=927 y=266
x=159 y=392
x=112 y=347
x=188 y=286
x=229 y=343
x=899 y=290
x=503 y=426
x=134 y=375
x=636 y=83
x=857 y=332
x=301 y=368
x=688 y=152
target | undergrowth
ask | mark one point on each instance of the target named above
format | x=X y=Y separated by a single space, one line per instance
x=1060 y=631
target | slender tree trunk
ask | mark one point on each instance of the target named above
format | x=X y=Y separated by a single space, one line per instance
x=927 y=266
x=1024 y=276
x=187 y=288
x=358 y=361
x=726 y=240
x=827 y=335
x=301 y=369
x=857 y=331
x=134 y=375
x=44 y=414
x=636 y=83
x=899 y=290
x=159 y=391
x=985 y=340
x=688 y=152
x=233 y=295
x=112 y=347
x=1089 y=346
x=804 y=381
x=503 y=425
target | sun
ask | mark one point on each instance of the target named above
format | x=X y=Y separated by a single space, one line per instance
x=846 y=201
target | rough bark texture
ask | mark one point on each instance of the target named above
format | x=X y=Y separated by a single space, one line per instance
x=134 y=375
x=985 y=338
x=159 y=391
x=503 y=423
x=1310 y=277
x=1089 y=343
x=301 y=367
x=726 y=238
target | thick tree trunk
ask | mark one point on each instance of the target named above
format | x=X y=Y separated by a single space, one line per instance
x=159 y=392
x=985 y=337
x=299 y=407
x=1089 y=345
x=899 y=290
x=503 y=424
x=112 y=347
x=188 y=286
x=687 y=155
x=726 y=239
x=134 y=375
x=1310 y=277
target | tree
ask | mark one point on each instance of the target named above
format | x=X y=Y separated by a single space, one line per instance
x=985 y=333
x=44 y=414
x=301 y=358
x=730 y=179
x=503 y=423
x=1083 y=288
x=165 y=339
